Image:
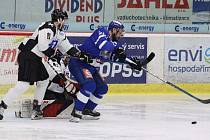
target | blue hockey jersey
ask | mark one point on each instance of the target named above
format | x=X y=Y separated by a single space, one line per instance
x=98 y=45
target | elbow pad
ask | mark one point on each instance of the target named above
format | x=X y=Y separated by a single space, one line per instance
x=106 y=54
x=49 y=52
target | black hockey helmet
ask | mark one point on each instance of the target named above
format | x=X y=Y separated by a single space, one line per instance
x=58 y=14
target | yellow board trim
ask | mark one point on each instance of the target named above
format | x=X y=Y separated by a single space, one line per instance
x=5 y=88
x=201 y=88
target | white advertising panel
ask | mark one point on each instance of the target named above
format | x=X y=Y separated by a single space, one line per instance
x=179 y=58
x=187 y=59
x=8 y=55
x=159 y=11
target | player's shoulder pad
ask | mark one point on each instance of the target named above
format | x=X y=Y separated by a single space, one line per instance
x=103 y=30
x=48 y=25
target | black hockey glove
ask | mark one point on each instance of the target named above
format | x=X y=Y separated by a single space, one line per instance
x=77 y=53
x=119 y=55
x=136 y=66
x=86 y=58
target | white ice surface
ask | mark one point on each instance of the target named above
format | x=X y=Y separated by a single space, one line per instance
x=124 y=117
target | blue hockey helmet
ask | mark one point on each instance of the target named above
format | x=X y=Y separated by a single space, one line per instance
x=115 y=24
x=58 y=14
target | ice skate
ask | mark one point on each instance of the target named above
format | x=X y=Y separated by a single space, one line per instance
x=76 y=116
x=36 y=112
x=36 y=115
x=90 y=114
x=3 y=106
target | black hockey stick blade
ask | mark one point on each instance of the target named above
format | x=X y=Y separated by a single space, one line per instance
x=145 y=61
x=207 y=101
x=148 y=59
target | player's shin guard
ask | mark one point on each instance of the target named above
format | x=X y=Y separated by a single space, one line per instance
x=3 y=106
x=36 y=112
x=40 y=90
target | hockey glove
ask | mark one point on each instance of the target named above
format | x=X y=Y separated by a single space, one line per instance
x=70 y=88
x=136 y=66
x=119 y=55
x=82 y=56
x=86 y=58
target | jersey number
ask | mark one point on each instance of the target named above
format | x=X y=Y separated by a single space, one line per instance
x=53 y=44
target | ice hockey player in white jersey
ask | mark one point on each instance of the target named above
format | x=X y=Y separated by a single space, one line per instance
x=43 y=43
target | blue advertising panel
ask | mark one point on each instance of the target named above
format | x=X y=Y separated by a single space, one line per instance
x=116 y=73
x=201 y=11
x=202 y=5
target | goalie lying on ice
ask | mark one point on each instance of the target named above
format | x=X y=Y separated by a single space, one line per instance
x=59 y=96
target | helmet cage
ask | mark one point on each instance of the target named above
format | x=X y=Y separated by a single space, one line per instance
x=58 y=14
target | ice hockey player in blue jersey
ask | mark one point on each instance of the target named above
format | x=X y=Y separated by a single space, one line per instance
x=101 y=46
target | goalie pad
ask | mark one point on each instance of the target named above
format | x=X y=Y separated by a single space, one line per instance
x=24 y=108
x=58 y=109
x=50 y=108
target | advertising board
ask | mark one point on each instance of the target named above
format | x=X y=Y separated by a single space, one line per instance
x=116 y=73
x=187 y=60
x=159 y=11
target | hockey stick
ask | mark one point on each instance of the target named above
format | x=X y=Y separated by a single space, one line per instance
x=145 y=61
x=148 y=59
x=207 y=101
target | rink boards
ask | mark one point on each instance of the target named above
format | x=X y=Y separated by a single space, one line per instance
x=180 y=58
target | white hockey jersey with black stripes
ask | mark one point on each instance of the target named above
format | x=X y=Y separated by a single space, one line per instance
x=47 y=36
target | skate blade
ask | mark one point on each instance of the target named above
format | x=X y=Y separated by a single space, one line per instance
x=88 y=117
x=74 y=119
x=36 y=117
